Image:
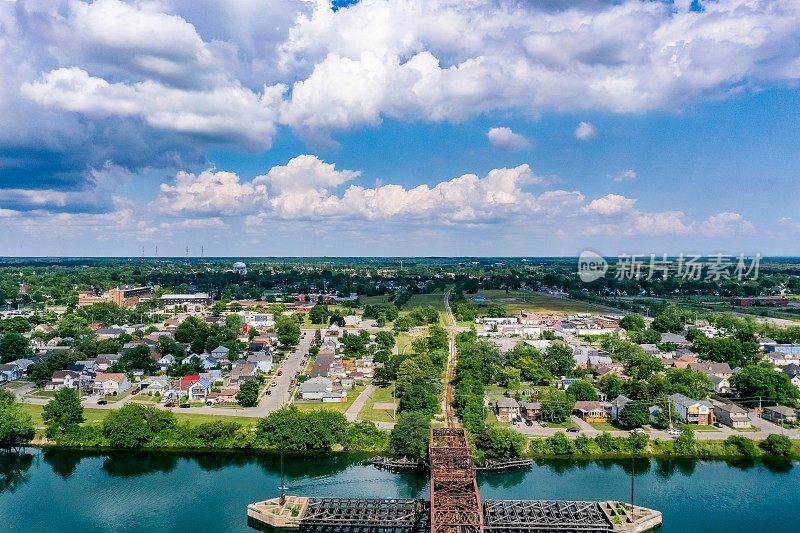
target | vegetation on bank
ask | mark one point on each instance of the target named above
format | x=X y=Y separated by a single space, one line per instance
x=638 y=444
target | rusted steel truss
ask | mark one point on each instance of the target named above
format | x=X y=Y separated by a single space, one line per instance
x=331 y=515
x=505 y=516
x=455 y=502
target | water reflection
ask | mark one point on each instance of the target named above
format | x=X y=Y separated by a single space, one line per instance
x=14 y=470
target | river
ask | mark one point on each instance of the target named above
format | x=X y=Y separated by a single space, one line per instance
x=55 y=491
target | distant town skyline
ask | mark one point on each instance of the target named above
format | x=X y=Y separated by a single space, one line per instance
x=291 y=128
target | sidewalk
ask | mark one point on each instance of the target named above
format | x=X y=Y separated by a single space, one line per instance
x=352 y=412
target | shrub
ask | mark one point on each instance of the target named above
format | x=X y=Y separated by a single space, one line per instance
x=741 y=445
x=777 y=445
x=685 y=443
x=559 y=444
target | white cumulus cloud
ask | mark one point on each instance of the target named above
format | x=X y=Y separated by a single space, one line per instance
x=503 y=138
x=585 y=131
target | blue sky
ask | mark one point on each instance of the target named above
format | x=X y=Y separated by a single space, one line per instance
x=395 y=128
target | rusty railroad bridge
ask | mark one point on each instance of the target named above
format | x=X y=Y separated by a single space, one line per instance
x=454 y=507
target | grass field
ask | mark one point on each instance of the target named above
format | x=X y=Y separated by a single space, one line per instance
x=516 y=301
x=339 y=407
x=98 y=415
x=403 y=342
x=697 y=427
x=563 y=425
x=604 y=426
x=378 y=415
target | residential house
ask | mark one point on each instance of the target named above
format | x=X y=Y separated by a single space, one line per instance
x=155 y=384
x=113 y=383
x=352 y=320
x=691 y=411
x=10 y=372
x=712 y=368
x=590 y=411
x=721 y=385
x=63 y=379
x=23 y=364
x=732 y=415
x=262 y=361
x=228 y=395
x=209 y=361
x=531 y=410
x=780 y=414
x=334 y=396
x=166 y=361
x=315 y=388
x=791 y=370
x=617 y=405
x=108 y=333
x=195 y=387
x=507 y=408
x=220 y=352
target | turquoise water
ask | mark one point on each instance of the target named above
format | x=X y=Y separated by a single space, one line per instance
x=72 y=491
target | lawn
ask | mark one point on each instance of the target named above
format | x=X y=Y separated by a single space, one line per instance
x=403 y=342
x=697 y=427
x=339 y=407
x=751 y=429
x=516 y=301
x=16 y=384
x=98 y=415
x=604 y=426
x=380 y=395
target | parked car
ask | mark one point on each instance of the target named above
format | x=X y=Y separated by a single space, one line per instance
x=280 y=372
x=135 y=392
x=184 y=406
x=169 y=404
x=674 y=432
x=274 y=384
x=268 y=392
x=717 y=425
x=573 y=430
x=528 y=422
x=102 y=402
x=209 y=403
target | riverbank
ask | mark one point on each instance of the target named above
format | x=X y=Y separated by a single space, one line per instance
x=129 y=491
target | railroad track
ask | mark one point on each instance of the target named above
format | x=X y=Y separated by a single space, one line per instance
x=450 y=419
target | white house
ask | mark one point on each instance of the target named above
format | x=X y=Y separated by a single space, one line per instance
x=262 y=361
x=693 y=411
x=617 y=405
x=166 y=361
x=220 y=352
x=315 y=388
x=111 y=383
x=62 y=379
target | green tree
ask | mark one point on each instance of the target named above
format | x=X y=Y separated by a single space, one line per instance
x=319 y=314
x=501 y=443
x=248 y=393
x=742 y=445
x=582 y=391
x=641 y=365
x=406 y=374
x=638 y=440
x=134 y=425
x=16 y=426
x=763 y=381
x=511 y=377
x=671 y=320
x=191 y=329
x=775 y=444
x=556 y=404
x=727 y=350
x=559 y=444
x=385 y=340
x=409 y=437
x=288 y=331
x=632 y=323
x=634 y=414
x=233 y=322
x=612 y=385
x=685 y=442
x=559 y=359
x=62 y=411
x=13 y=346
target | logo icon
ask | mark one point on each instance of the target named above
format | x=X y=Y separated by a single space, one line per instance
x=591 y=266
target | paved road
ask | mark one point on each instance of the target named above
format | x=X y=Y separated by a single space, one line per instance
x=352 y=412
